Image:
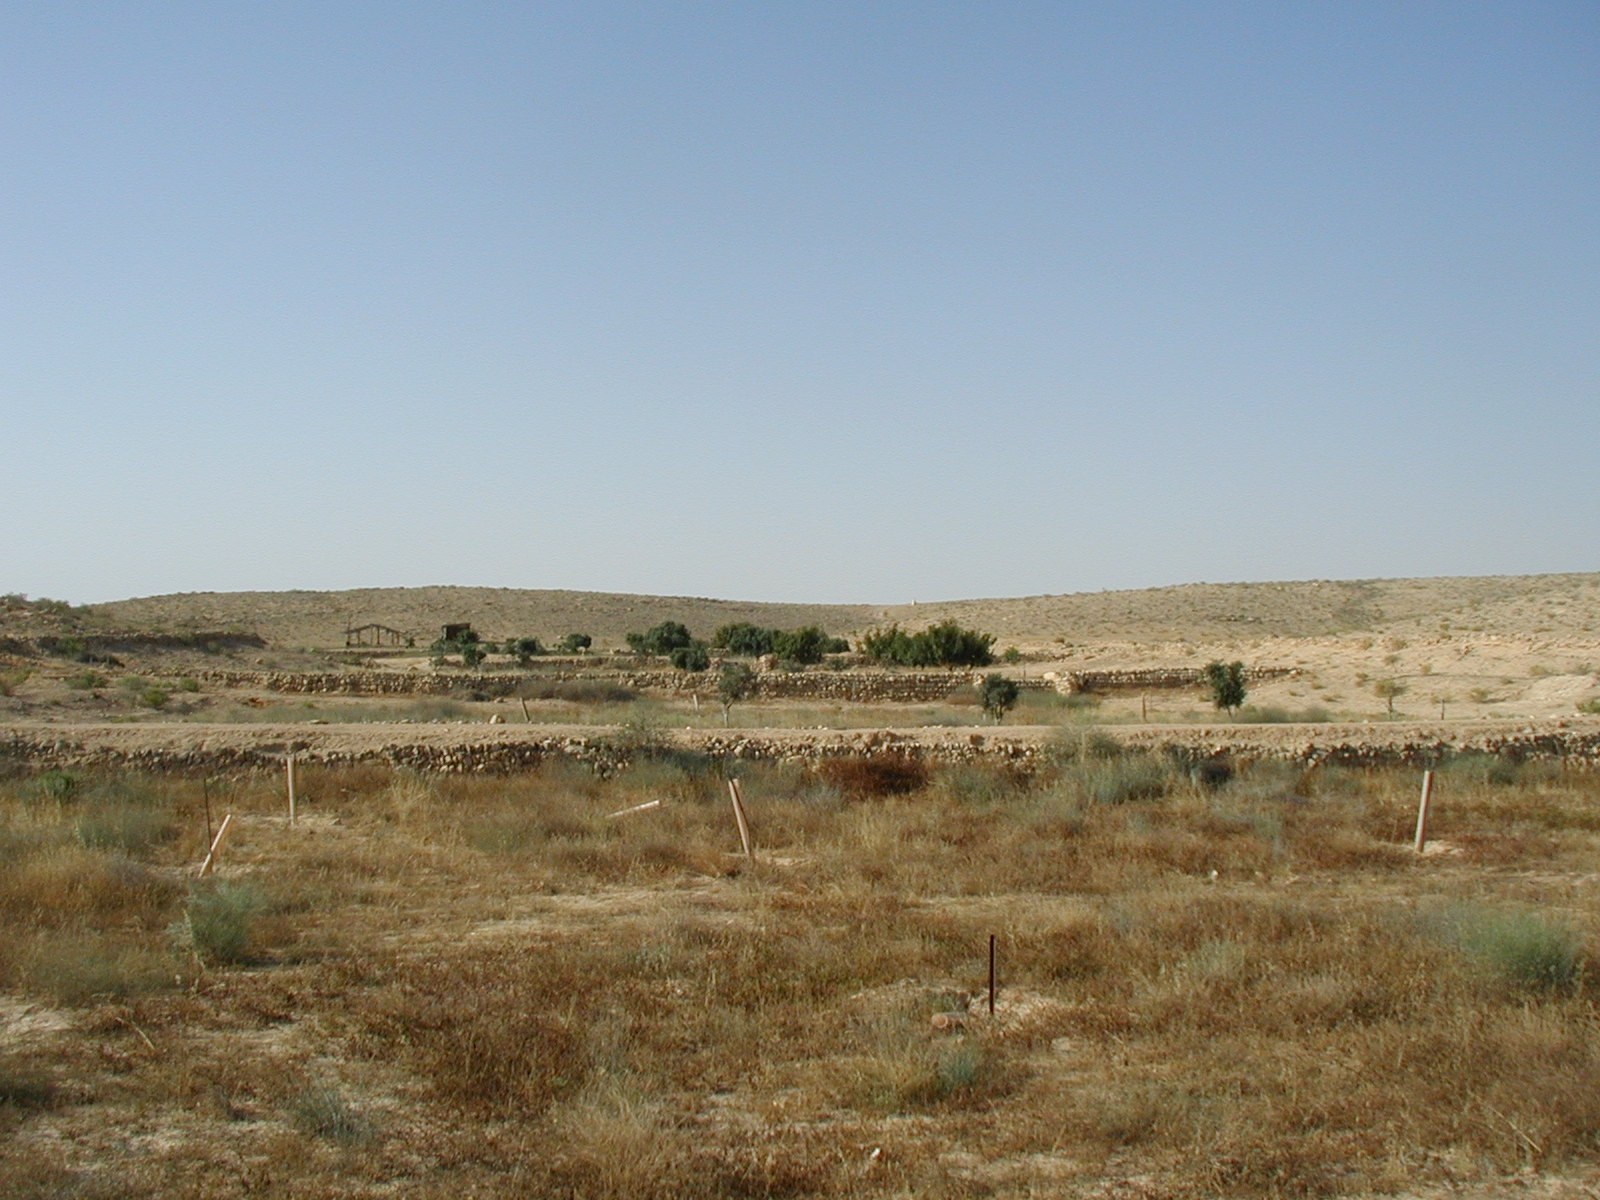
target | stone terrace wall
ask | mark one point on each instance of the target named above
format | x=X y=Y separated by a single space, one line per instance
x=455 y=750
x=1150 y=679
x=883 y=687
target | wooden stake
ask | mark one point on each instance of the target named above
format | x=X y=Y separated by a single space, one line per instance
x=991 y=974
x=738 y=815
x=288 y=769
x=622 y=812
x=1422 y=811
x=525 y=715
x=1144 y=709
x=205 y=790
x=216 y=846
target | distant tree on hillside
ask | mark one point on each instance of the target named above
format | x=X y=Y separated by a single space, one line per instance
x=1226 y=681
x=734 y=682
x=524 y=649
x=946 y=644
x=745 y=639
x=999 y=695
x=661 y=639
x=1389 y=690
x=693 y=657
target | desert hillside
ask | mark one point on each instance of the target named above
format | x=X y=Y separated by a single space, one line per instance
x=1517 y=606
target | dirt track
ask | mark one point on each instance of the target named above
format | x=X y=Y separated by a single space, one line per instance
x=480 y=747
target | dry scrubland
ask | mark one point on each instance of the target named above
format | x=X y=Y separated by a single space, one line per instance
x=1507 y=647
x=1524 y=605
x=441 y=986
x=1214 y=981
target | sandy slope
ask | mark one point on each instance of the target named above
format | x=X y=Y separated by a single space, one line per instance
x=1527 y=605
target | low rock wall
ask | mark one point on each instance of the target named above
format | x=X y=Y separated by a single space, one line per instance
x=863 y=687
x=1151 y=679
x=454 y=750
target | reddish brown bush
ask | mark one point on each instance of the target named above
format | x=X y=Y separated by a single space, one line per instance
x=864 y=777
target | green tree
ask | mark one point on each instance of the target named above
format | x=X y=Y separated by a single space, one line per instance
x=1389 y=690
x=946 y=644
x=661 y=639
x=746 y=639
x=693 y=657
x=1226 y=681
x=734 y=683
x=575 y=643
x=467 y=644
x=999 y=695
x=806 y=645
x=524 y=649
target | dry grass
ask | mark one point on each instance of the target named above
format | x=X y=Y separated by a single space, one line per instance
x=1214 y=982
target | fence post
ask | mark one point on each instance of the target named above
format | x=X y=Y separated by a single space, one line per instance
x=288 y=770
x=1422 y=811
x=216 y=846
x=738 y=815
x=991 y=974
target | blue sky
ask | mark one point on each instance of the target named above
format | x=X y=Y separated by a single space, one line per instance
x=825 y=301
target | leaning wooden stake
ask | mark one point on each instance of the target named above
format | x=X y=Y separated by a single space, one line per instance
x=216 y=846
x=622 y=812
x=738 y=815
x=288 y=770
x=527 y=720
x=1422 y=811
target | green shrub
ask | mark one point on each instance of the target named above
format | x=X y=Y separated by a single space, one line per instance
x=153 y=698
x=575 y=643
x=84 y=680
x=1522 y=948
x=218 y=922
x=1590 y=706
x=189 y=685
x=55 y=785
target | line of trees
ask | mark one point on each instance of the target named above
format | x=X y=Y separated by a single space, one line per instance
x=472 y=649
x=946 y=644
x=805 y=645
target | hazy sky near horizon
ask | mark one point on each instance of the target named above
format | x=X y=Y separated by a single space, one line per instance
x=870 y=301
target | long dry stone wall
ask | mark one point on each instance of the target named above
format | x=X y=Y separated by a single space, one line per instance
x=883 y=687
x=1150 y=679
x=498 y=749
